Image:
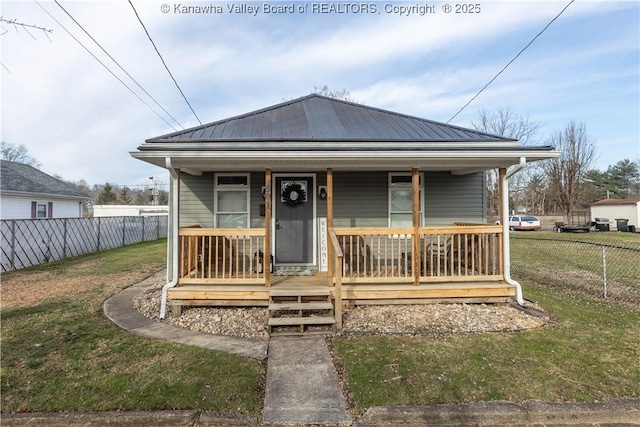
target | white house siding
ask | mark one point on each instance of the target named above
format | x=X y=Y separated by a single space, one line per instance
x=613 y=212
x=19 y=207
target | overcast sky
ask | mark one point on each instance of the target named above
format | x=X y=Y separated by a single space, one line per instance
x=80 y=122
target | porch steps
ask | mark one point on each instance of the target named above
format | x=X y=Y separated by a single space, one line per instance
x=299 y=310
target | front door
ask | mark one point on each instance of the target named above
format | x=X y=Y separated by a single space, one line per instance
x=294 y=212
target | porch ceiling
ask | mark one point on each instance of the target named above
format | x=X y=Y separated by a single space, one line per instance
x=459 y=162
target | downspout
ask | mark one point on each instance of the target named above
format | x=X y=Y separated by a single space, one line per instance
x=504 y=196
x=173 y=249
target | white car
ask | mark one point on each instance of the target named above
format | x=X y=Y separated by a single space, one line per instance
x=524 y=222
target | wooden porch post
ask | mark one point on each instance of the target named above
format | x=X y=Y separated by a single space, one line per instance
x=267 y=228
x=502 y=172
x=415 y=259
x=330 y=253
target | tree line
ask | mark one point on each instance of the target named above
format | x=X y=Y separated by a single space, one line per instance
x=556 y=186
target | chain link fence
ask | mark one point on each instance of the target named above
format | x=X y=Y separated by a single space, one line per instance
x=598 y=265
x=27 y=242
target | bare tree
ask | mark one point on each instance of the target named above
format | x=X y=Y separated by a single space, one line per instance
x=505 y=122
x=18 y=154
x=343 y=94
x=567 y=173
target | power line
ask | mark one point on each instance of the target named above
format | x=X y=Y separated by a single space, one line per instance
x=163 y=63
x=510 y=62
x=118 y=64
x=106 y=68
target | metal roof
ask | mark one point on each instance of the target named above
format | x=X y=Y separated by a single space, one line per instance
x=319 y=118
x=21 y=178
x=615 y=202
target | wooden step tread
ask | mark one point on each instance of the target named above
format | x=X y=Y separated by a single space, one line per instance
x=300 y=334
x=294 y=321
x=299 y=292
x=301 y=306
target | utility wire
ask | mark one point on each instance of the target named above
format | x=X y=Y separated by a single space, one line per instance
x=510 y=62
x=101 y=63
x=163 y=63
x=117 y=63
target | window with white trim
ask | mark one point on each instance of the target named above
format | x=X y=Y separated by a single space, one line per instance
x=41 y=210
x=231 y=195
x=401 y=199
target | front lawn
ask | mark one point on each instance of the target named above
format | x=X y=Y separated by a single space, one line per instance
x=590 y=353
x=59 y=352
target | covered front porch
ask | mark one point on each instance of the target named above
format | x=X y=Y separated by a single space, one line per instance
x=463 y=262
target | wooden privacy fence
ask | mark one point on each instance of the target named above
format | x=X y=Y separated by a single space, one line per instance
x=27 y=242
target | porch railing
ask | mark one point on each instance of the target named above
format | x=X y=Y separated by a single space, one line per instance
x=464 y=252
x=459 y=253
x=221 y=255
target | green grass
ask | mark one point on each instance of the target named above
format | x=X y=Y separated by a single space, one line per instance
x=591 y=353
x=575 y=261
x=62 y=354
x=593 y=237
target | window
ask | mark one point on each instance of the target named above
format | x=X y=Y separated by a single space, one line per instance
x=401 y=200
x=41 y=211
x=231 y=195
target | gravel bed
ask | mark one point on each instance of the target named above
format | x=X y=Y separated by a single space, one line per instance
x=429 y=319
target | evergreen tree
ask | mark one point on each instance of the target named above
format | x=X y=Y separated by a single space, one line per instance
x=125 y=196
x=107 y=196
x=163 y=198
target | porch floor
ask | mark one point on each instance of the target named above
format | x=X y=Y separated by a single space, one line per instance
x=352 y=294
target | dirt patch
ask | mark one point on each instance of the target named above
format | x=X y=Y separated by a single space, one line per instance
x=19 y=289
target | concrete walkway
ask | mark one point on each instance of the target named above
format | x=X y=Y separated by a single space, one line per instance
x=119 y=309
x=302 y=384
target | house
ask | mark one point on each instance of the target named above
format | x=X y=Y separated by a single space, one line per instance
x=326 y=200
x=614 y=209
x=28 y=193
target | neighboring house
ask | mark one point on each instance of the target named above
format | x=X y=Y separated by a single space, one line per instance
x=129 y=210
x=614 y=209
x=28 y=193
x=371 y=205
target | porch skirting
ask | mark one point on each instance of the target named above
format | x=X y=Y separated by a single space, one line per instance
x=352 y=294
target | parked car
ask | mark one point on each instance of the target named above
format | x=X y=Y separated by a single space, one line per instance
x=524 y=222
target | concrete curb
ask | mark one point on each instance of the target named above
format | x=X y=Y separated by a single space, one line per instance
x=129 y=419
x=623 y=412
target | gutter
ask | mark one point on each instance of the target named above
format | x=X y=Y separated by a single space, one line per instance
x=172 y=250
x=504 y=203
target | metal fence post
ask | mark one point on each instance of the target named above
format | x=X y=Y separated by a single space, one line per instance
x=98 y=249
x=142 y=229
x=13 y=245
x=604 y=269
x=64 y=239
x=124 y=230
